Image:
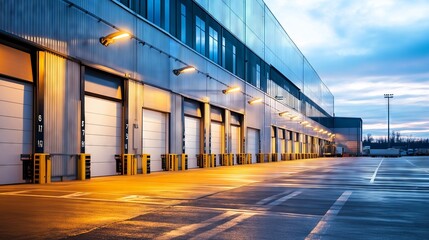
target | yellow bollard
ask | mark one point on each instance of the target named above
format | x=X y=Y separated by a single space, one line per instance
x=145 y=163
x=42 y=168
x=84 y=166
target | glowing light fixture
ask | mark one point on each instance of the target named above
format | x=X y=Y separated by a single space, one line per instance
x=179 y=71
x=255 y=100
x=321 y=130
x=329 y=134
x=325 y=132
x=111 y=38
x=308 y=125
x=230 y=90
x=283 y=114
x=303 y=123
x=315 y=129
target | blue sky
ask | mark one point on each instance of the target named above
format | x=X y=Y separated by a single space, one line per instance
x=363 y=49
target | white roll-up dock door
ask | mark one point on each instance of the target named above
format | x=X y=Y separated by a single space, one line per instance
x=103 y=134
x=235 y=140
x=192 y=140
x=253 y=142
x=16 y=119
x=216 y=139
x=154 y=137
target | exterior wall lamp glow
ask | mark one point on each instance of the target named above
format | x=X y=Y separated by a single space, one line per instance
x=305 y=122
x=111 y=38
x=178 y=71
x=283 y=114
x=255 y=100
x=315 y=129
x=231 y=90
x=321 y=130
x=309 y=126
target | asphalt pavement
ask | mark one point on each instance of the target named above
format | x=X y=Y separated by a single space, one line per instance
x=323 y=198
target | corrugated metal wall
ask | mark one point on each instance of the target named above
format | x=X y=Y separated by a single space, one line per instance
x=41 y=26
x=62 y=114
x=74 y=33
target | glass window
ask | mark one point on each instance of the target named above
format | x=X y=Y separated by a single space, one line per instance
x=125 y=2
x=183 y=22
x=234 y=59
x=223 y=52
x=200 y=35
x=258 y=76
x=213 y=45
x=167 y=15
x=154 y=11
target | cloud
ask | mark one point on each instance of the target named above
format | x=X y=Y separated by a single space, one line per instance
x=364 y=49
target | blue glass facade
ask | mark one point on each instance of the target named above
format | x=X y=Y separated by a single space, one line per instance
x=252 y=22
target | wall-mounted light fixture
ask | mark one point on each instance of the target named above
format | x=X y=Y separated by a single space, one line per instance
x=304 y=123
x=329 y=134
x=309 y=126
x=284 y=114
x=325 y=132
x=111 y=38
x=321 y=130
x=230 y=90
x=315 y=129
x=178 y=71
x=255 y=100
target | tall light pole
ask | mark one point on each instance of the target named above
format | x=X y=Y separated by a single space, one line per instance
x=388 y=96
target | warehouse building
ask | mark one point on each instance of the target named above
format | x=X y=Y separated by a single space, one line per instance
x=131 y=77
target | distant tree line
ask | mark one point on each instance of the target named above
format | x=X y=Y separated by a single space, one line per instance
x=396 y=141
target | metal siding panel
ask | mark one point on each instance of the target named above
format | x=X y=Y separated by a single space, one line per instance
x=155 y=98
x=62 y=91
x=16 y=122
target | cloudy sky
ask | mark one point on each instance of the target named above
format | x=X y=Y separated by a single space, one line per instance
x=363 y=49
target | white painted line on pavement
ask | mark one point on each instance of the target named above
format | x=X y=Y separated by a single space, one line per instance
x=14 y=193
x=76 y=194
x=285 y=198
x=278 y=201
x=323 y=224
x=411 y=163
x=265 y=200
x=416 y=166
x=376 y=170
x=192 y=227
x=223 y=227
